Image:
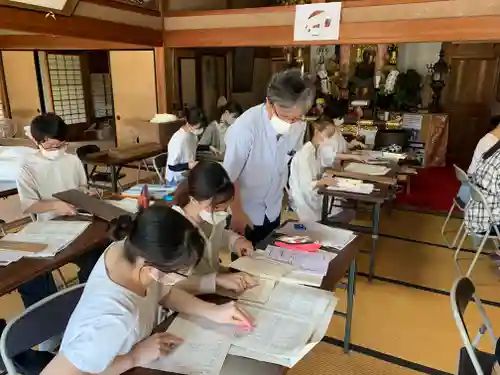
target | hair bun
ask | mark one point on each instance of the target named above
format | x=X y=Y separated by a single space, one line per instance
x=121 y=227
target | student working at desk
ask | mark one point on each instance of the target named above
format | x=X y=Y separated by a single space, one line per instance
x=204 y=199
x=182 y=146
x=44 y=173
x=215 y=133
x=109 y=331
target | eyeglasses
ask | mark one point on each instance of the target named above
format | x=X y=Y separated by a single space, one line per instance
x=54 y=146
x=284 y=117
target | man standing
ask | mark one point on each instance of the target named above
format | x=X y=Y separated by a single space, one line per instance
x=259 y=146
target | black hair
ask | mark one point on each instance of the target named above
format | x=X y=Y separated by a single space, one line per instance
x=194 y=115
x=163 y=237
x=48 y=126
x=232 y=107
x=336 y=108
x=494 y=122
x=207 y=180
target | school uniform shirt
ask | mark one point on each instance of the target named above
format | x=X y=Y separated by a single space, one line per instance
x=483 y=145
x=256 y=158
x=217 y=239
x=41 y=178
x=333 y=146
x=181 y=150
x=110 y=319
x=487 y=179
x=305 y=171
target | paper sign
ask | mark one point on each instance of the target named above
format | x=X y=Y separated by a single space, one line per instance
x=317 y=22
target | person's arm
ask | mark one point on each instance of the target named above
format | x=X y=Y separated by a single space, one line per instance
x=61 y=365
x=182 y=301
x=31 y=202
x=207 y=138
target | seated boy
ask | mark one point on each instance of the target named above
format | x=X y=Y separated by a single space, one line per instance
x=44 y=173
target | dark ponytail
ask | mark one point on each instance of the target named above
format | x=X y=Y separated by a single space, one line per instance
x=492 y=150
x=208 y=180
x=163 y=237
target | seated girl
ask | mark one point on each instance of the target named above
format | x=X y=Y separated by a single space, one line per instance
x=149 y=265
x=214 y=134
x=305 y=173
x=484 y=144
x=182 y=146
x=204 y=199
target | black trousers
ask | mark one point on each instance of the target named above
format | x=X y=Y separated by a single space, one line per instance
x=260 y=232
x=43 y=286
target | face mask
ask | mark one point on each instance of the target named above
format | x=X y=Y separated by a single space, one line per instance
x=279 y=125
x=52 y=154
x=215 y=217
x=338 y=121
x=197 y=132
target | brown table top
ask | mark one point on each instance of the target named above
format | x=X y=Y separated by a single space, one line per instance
x=106 y=159
x=378 y=195
x=7 y=188
x=17 y=273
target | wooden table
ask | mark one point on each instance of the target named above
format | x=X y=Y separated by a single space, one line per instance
x=7 y=188
x=116 y=163
x=26 y=269
x=380 y=194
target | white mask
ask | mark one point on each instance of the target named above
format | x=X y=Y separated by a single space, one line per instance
x=53 y=154
x=197 y=132
x=279 y=125
x=215 y=217
x=338 y=121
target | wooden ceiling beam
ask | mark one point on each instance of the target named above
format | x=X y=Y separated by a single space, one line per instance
x=78 y=27
x=482 y=28
x=55 y=42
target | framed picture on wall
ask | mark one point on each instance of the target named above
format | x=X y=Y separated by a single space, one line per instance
x=243 y=65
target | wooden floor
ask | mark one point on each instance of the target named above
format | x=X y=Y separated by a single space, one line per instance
x=402 y=321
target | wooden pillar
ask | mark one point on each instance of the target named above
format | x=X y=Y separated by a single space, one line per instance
x=380 y=57
x=161 y=81
x=345 y=63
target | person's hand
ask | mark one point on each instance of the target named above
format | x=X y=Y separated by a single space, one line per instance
x=192 y=164
x=215 y=150
x=239 y=221
x=358 y=158
x=229 y=313
x=243 y=247
x=357 y=143
x=154 y=347
x=64 y=209
x=236 y=282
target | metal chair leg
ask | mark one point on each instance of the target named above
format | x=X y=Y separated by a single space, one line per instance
x=457 y=251
x=478 y=252
x=443 y=232
x=462 y=227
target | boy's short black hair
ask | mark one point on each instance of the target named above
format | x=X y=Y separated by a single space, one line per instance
x=48 y=126
x=194 y=115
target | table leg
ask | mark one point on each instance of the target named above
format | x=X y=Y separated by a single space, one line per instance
x=114 y=179
x=324 y=209
x=351 y=281
x=375 y=230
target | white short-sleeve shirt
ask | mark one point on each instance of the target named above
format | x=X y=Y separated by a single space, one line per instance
x=257 y=160
x=41 y=178
x=483 y=145
x=108 y=320
x=181 y=149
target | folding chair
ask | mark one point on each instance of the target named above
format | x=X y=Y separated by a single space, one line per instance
x=159 y=165
x=38 y=323
x=457 y=203
x=477 y=196
x=471 y=359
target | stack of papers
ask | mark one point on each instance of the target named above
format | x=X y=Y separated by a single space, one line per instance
x=155 y=190
x=328 y=236
x=55 y=235
x=364 y=188
x=372 y=170
x=287 y=327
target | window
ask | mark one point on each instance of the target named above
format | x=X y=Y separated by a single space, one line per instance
x=102 y=96
x=67 y=87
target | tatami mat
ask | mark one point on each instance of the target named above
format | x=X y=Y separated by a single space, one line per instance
x=429 y=266
x=326 y=359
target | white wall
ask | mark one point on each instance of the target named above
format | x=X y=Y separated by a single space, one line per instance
x=417 y=56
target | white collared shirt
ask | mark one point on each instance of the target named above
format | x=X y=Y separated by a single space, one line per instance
x=257 y=160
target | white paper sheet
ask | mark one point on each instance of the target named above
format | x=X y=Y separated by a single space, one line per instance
x=317 y=22
x=264 y=268
x=372 y=170
x=327 y=236
x=258 y=294
x=313 y=262
x=55 y=234
x=202 y=353
x=127 y=204
x=364 y=188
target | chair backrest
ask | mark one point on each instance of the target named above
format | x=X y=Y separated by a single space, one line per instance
x=388 y=137
x=462 y=293
x=83 y=151
x=159 y=164
x=39 y=322
x=460 y=174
